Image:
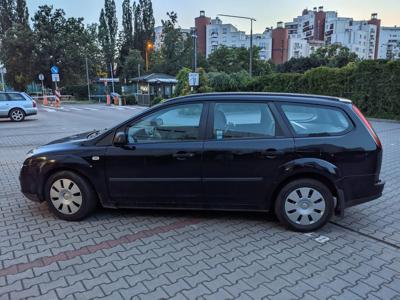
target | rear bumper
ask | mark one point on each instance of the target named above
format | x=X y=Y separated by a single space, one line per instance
x=375 y=192
x=31 y=111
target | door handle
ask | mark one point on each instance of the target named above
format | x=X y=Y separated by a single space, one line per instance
x=272 y=153
x=183 y=155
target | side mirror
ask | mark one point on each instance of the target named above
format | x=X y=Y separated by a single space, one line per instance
x=120 y=139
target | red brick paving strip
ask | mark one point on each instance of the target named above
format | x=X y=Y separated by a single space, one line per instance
x=70 y=254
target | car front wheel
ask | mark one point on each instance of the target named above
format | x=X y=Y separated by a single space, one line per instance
x=17 y=115
x=304 y=205
x=70 y=196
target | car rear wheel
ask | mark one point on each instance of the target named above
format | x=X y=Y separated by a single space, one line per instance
x=304 y=205
x=70 y=196
x=17 y=115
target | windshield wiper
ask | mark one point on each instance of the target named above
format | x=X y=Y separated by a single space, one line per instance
x=95 y=133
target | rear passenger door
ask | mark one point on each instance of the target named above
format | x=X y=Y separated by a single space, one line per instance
x=245 y=147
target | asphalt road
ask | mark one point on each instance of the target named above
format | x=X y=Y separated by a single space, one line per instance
x=186 y=255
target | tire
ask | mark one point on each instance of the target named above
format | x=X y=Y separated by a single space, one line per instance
x=304 y=205
x=17 y=115
x=70 y=196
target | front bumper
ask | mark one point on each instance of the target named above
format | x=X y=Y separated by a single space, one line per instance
x=28 y=179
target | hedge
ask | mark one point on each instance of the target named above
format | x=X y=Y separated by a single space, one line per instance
x=372 y=85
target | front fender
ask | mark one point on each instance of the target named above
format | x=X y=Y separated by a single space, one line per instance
x=93 y=171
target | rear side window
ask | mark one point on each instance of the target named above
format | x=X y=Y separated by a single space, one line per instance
x=15 y=97
x=313 y=120
x=243 y=121
x=3 y=97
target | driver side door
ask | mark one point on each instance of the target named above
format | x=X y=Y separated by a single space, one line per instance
x=161 y=164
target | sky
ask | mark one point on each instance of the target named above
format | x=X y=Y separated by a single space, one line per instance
x=266 y=12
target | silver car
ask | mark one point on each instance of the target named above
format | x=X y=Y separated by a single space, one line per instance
x=16 y=106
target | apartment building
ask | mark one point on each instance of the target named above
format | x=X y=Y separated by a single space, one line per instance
x=389 y=45
x=359 y=36
x=219 y=34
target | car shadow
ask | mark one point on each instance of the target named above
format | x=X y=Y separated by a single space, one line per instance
x=10 y=121
x=104 y=213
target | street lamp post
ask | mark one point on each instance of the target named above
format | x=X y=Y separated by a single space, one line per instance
x=149 y=47
x=251 y=38
x=194 y=36
x=87 y=78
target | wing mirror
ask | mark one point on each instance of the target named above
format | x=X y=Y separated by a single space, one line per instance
x=120 y=139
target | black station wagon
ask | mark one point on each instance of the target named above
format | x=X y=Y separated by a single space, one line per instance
x=304 y=157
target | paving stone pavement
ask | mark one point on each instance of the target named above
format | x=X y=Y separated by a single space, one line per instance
x=186 y=255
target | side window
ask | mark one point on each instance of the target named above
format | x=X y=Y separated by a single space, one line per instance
x=316 y=120
x=243 y=120
x=15 y=97
x=3 y=97
x=177 y=123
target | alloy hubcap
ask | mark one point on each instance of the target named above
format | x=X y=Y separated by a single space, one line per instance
x=66 y=196
x=17 y=115
x=305 y=206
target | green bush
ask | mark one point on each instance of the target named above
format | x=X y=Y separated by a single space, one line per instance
x=77 y=91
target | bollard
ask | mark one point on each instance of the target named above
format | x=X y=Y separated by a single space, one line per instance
x=108 y=100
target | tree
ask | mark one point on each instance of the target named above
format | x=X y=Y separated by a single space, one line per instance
x=173 y=46
x=336 y=56
x=148 y=20
x=17 y=56
x=108 y=30
x=7 y=15
x=21 y=13
x=126 y=35
x=65 y=43
x=131 y=63
x=143 y=16
x=233 y=60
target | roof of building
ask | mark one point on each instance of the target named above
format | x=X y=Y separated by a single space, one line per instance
x=156 y=77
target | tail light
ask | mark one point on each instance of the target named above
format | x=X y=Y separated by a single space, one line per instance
x=34 y=103
x=368 y=125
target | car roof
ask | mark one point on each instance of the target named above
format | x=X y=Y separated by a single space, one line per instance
x=306 y=98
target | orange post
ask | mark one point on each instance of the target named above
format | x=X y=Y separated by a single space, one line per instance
x=108 y=100
x=45 y=101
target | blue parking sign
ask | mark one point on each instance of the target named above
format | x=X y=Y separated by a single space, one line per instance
x=54 y=70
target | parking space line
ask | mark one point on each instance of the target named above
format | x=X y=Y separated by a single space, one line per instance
x=70 y=254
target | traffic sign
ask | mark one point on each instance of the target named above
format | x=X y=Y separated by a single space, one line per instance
x=55 y=77
x=41 y=77
x=54 y=70
x=194 y=79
